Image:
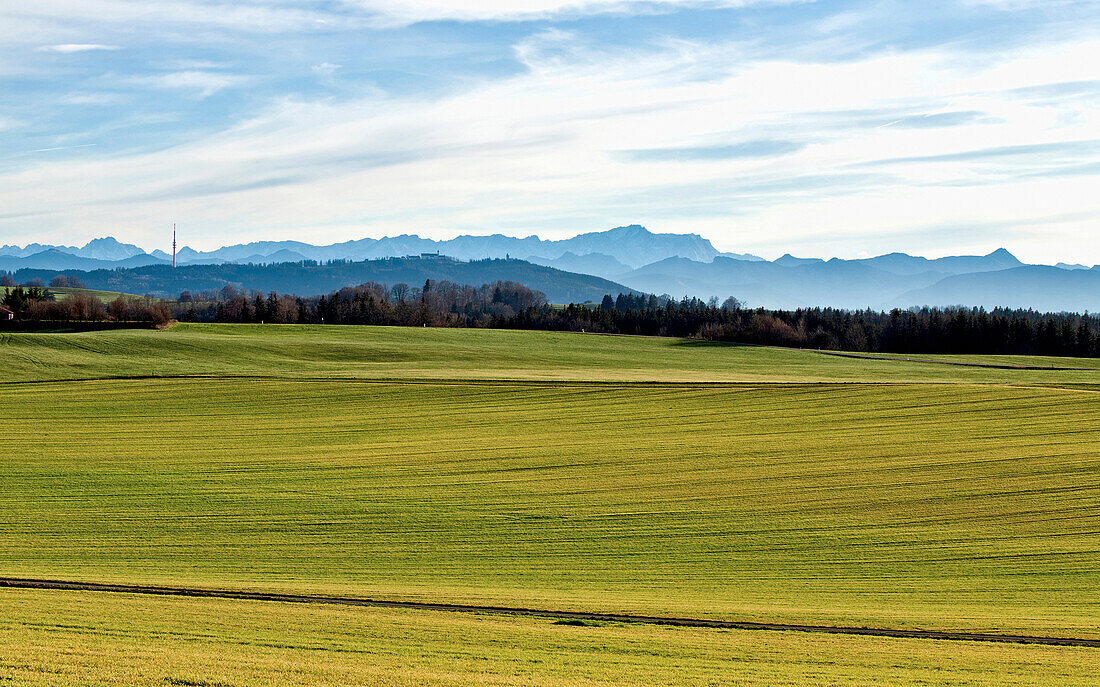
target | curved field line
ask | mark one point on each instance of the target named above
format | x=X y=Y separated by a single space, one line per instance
x=24 y=583
x=960 y=363
x=494 y=381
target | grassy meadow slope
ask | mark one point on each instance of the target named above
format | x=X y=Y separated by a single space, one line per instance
x=66 y=638
x=64 y=292
x=301 y=351
x=949 y=498
x=565 y=471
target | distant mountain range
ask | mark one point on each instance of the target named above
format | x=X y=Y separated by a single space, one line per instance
x=887 y=281
x=1041 y=287
x=107 y=249
x=629 y=247
x=635 y=258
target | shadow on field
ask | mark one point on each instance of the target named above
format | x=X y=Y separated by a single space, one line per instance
x=574 y=622
x=706 y=343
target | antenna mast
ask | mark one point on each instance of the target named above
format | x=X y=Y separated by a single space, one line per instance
x=173 y=245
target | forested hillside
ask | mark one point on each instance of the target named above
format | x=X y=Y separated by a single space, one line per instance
x=310 y=278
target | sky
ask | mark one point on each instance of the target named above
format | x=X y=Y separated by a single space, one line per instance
x=828 y=128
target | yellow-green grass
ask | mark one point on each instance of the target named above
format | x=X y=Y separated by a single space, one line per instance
x=1043 y=361
x=944 y=506
x=562 y=471
x=410 y=353
x=73 y=638
x=63 y=292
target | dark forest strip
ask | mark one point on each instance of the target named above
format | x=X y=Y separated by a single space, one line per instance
x=509 y=305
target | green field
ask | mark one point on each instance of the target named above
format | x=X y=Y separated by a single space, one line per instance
x=69 y=638
x=105 y=297
x=561 y=471
x=403 y=354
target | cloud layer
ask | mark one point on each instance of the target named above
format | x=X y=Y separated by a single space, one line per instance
x=767 y=127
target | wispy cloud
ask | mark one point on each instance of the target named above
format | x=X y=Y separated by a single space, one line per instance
x=402 y=12
x=326 y=72
x=98 y=98
x=939 y=119
x=201 y=84
x=746 y=149
x=54 y=148
x=249 y=16
x=1064 y=150
x=76 y=47
x=1054 y=91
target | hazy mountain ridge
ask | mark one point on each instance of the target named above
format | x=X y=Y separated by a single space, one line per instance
x=106 y=248
x=631 y=245
x=590 y=263
x=676 y=264
x=859 y=284
x=1040 y=287
x=839 y=283
x=901 y=263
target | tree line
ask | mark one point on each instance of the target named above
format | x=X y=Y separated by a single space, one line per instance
x=435 y=304
x=37 y=304
x=508 y=305
x=919 y=330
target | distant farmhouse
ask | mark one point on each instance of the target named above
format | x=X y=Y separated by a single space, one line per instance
x=6 y=314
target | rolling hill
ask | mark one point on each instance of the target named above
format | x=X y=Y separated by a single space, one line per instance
x=310 y=279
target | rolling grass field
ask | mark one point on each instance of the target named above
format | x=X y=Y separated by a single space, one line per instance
x=63 y=292
x=68 y=638
x=396 y=353
x=564 y=471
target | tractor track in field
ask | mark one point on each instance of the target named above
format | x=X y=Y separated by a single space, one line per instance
x=506 y=381
x=25 y=583
x=458 y=381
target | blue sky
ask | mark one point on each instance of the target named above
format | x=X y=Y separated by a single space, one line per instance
x=825 y=128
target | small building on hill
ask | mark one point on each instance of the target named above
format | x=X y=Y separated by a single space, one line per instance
x=6 y=314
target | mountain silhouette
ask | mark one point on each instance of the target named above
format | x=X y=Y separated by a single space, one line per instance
x=632 y=257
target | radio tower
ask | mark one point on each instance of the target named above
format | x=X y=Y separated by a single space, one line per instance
x=173 y=245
